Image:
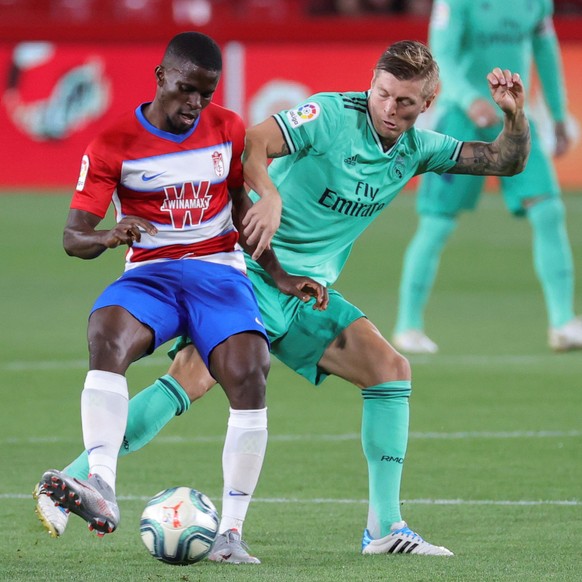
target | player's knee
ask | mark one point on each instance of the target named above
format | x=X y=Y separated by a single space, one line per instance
x=546 y=211
x=109 y=353
x=116 y=339
x=195 y=388
x=246 y=386
x=438 y=227
x=241 y=366
x=253 y=373
x=400 y=366
x=246 y=397
x=392 y=367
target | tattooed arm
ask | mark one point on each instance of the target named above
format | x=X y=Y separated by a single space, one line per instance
x=508 y=154
x=263 y=141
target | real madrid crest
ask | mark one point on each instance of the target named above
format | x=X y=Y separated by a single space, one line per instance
x=399 y=167
x=218 y=163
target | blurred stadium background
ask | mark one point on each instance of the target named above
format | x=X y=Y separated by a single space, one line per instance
x=493 y=469
x=68 y=66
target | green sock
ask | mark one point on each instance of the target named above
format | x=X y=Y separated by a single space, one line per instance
x=421 y=262
x=149 y=411
x=384 y=440
x=553 y=259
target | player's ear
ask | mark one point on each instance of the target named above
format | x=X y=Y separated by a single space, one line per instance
x=160 y=75
x=428 y=102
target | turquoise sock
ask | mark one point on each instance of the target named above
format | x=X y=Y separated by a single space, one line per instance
x=384 y=440
x=553 y=259
x=421 y=262
x=149 y=411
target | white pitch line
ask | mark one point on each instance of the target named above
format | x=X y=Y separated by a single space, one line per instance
x=517 y=434
x=48 y=365
x=324 y=501
x=160 y=360
x=483 y=359
x=178 y=440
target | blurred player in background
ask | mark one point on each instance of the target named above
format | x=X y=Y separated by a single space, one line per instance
x=468 y=38
x=340 y=159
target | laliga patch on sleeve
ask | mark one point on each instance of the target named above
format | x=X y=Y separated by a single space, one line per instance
x=303 y=114
x=83 y=173
x=440 y=15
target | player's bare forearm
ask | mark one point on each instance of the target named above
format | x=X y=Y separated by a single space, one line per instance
x=300 y=286
x=263 y=142
x=80 y=239
x=241 y=204
x=79 y=247
x=262 y=220
x=270 y=263
x=506 y=156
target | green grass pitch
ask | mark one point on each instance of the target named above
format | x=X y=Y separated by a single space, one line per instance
x=493 y=469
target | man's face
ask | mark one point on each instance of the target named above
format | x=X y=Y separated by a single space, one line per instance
x=394 y=105
x=184 y=90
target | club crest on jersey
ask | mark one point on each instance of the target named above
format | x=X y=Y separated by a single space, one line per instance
x=83 y=172
x=218 y=162
x=303 y=114
x=399 y=167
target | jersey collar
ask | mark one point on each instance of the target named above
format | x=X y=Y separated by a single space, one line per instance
x=375 y=134
x=175 y=137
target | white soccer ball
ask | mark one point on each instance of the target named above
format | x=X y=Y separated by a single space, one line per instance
x=179 y=526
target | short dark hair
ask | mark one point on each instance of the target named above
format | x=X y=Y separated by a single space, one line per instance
x=196 y=48
x=410 y=59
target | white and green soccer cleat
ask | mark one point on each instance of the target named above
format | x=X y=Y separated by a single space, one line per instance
x=414 y=341
x=230 y=548
x=566 y=337
x=53 y=518
x=401 y=540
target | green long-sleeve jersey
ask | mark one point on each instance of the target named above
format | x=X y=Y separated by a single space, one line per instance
x=470 y=37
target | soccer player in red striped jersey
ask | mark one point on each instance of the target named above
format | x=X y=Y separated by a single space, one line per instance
x=172 y=170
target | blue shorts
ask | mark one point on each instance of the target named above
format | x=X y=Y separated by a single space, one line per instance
x=207 y=301
x=299 y=334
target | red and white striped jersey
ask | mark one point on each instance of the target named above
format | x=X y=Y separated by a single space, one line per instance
x=180 y=183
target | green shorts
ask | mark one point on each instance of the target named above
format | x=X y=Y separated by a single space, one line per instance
x=450 y=194
x=298 y=333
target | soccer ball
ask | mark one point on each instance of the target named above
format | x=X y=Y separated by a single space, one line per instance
x=179 y=526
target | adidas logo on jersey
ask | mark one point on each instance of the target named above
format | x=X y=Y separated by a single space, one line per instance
x=351 y=161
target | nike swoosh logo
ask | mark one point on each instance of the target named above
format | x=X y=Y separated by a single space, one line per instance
x=259 y=322
x=148 y=178
x=237 y=494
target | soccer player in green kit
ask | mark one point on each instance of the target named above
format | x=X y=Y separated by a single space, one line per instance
x=339 y=160
x=467 y=38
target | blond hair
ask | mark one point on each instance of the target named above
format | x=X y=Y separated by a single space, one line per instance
x=410 y=59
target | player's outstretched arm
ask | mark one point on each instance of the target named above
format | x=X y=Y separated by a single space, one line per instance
x=508 y=154
x=80 y=238
x=302 y=287
x=263 y=142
